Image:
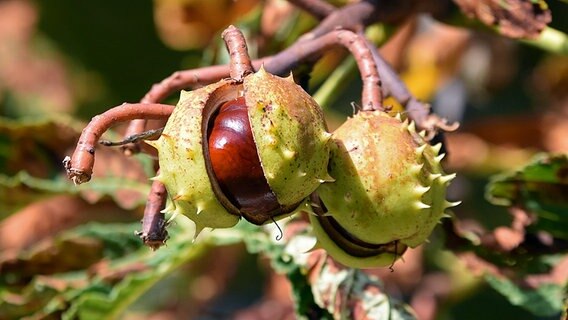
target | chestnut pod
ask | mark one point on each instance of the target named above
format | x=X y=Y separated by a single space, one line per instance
x=254 y=148
x=388 y=194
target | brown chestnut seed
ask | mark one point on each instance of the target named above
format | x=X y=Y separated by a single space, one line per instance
x=235 y=161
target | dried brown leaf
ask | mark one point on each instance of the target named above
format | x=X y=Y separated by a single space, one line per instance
x=189 y=24
x=513 y=18
x=45 y=218
x=50 y=257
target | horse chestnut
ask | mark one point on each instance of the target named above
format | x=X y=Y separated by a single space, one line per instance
x=235 y=161
x=252 y=148
x=388 y=194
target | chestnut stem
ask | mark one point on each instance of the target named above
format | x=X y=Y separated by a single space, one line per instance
x=372 y=95
x=80 y=166
x=240 y=64
x=154 y=233
x=356 y=44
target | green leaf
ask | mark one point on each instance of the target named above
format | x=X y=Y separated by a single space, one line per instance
x=541 y=187
x=544 y=301
x=122 y=270
x=150 y=267
x=303 y=297
x=22 y=188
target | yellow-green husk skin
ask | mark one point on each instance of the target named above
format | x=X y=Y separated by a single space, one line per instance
x=182 y=164
x=389 y=186
x=289 y=131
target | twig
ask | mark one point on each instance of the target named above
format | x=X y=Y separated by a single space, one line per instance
x=146 y=135
x=358 y=15
x=317 y=8
x=240 y=64
x=279 y=64
x=154 y=233
x=179 y=80
x=80 y=166
x=356 y=44
x=418 y=111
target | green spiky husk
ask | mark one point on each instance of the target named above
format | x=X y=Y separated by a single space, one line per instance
x=324 y=241
x=389 y=185
x=290 y=133
x=182 y=163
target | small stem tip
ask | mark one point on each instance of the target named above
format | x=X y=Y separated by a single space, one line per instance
x=154 y=233
x=240 y=65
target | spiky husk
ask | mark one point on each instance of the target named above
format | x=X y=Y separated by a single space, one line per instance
x=182 y=163
x=389 y=186
x=290 y=133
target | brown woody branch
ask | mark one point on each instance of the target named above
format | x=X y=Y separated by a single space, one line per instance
x=358 y=15
x=154 y=233
x=356 y=44
x=80 y=166
x=317 y=8
x=279 y=64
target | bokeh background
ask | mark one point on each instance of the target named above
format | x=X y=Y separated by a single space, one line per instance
x=62 y=62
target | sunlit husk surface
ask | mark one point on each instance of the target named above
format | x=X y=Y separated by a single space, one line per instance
x=389 y=188
x=288 y=129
